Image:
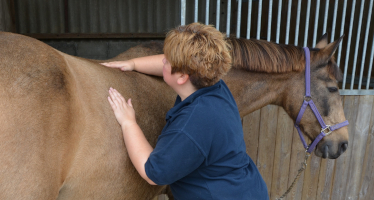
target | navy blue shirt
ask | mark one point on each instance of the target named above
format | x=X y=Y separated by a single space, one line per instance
x=201 y=152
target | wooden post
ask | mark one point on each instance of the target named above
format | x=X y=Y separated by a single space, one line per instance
x=359 y=146
x=367 y=178
x=326 y=177
x=251 y=130
x=297 y=156
x=282 y=154
x=311 y=176
x=266 y=148
x=342 y=163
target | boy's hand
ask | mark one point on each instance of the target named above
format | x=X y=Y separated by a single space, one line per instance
x=127 y=65
x=124 y=112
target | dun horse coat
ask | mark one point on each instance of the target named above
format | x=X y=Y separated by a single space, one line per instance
x=59 y=138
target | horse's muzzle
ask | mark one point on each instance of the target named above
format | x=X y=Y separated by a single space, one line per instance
x=327 y=149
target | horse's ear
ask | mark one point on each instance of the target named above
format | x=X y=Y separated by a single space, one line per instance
x=330 y=49
x=322 y=42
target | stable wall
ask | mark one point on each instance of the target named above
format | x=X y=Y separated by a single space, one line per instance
x=274 y=145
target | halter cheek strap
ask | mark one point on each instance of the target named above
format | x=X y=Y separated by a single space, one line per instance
x=326 y=129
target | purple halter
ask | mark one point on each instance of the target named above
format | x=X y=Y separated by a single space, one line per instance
x=308 y=101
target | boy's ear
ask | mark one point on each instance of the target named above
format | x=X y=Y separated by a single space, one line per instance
x=183 y=78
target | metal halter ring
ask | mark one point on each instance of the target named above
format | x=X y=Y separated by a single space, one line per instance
x=307 y=98
x=328 y=130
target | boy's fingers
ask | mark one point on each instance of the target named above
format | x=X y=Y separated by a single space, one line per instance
x=129 y=102
x=115 y=93
x=114 y=98
x=109 y=64
x=118 y=95
x=106 y=64
x=111 y=93
x=112 y=103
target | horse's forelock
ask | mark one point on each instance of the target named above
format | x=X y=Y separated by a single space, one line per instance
x=263 y=56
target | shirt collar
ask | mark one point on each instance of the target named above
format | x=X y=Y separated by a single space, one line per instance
x=190 y=99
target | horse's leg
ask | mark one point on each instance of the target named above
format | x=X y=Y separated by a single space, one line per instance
x=33 y=125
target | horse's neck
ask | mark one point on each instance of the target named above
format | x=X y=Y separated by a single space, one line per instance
x=253 y=91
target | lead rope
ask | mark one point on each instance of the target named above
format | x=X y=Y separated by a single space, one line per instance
x=303 y=166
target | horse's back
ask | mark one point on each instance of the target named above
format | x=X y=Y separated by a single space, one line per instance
x=59 y=138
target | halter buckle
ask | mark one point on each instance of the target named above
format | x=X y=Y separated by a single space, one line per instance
x=328 y=129
x=307 y=98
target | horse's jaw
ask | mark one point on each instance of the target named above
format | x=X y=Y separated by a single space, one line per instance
x=253 y=91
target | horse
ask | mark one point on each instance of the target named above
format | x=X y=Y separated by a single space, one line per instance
x=60 y=139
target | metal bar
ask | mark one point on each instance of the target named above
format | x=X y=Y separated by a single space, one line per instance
x=365 y=44
x=288 y=21
x=357 y=43
x=316 y=24
x=249 y=18
x=259 y=19
x=334 y=21
x=228 y=18
x=270 y=15
x=325 y=17
x=183 y=12
x=297 y=22
x=218 y=13
x=239 y=17
x=278 y=21
x=207 y=12
x=342 y=31
x=196 y=10
x=307 y=24
x=349 y=42
x=370 y=65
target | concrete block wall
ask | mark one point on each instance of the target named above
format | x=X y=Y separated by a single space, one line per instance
x=94 y=49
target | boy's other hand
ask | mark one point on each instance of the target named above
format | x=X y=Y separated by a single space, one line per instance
x=127 y=65
x=124 y=112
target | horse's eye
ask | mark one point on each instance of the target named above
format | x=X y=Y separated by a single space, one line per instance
x=332 y=89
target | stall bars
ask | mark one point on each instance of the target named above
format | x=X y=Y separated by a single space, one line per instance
x=365 y=84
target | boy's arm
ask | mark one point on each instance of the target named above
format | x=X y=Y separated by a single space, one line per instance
x=138 y=148
x=151 y=65
x=137 y=145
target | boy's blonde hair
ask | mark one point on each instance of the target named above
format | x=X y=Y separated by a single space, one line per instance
x=200 y=51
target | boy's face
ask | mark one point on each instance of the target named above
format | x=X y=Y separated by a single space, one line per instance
x=170 y=79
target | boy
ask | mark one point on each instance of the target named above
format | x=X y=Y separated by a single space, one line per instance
x=200 y=153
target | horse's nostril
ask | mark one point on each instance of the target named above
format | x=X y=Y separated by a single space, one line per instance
x=343 y=147
x=325 y=152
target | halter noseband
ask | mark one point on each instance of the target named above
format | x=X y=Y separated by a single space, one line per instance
x=326 y=129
